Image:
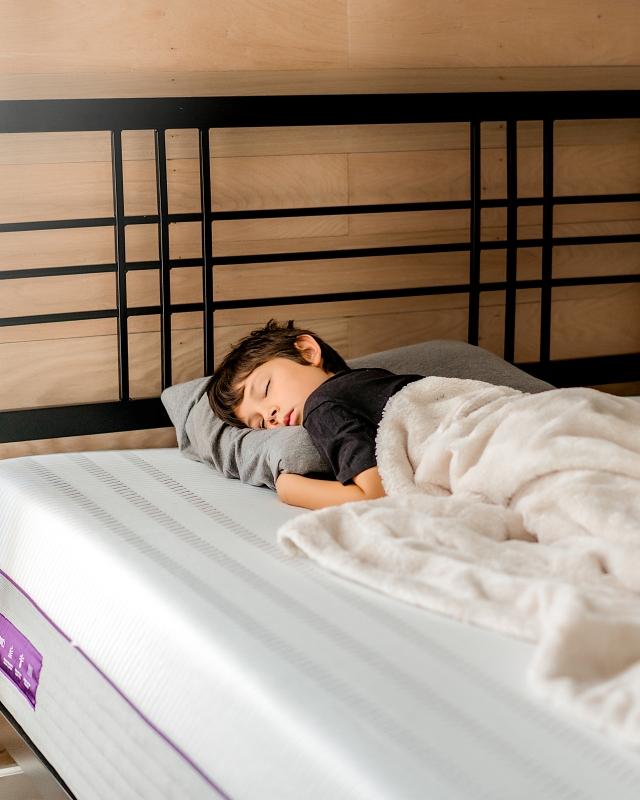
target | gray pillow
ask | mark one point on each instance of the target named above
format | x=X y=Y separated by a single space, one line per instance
x=258 y=457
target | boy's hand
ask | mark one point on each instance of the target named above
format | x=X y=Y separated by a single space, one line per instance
x=297 y=490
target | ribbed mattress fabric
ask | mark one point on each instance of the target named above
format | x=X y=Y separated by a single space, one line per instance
x=186 y=656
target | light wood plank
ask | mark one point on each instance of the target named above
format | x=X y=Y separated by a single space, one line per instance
x=58 y=294
x=595 y=321
x=230 y=236
x=92 y=327
x=279 y=181
x=58 y=372
x=56 y=248
x=612 y=170
x=167 y=81
x=376 y=332
x=123 y=440
x=299 y=277
x=413 y=34
x=55 y=148
x=55 y=191
x=243 y=34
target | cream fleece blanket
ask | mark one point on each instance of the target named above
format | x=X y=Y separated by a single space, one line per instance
x=512 y=511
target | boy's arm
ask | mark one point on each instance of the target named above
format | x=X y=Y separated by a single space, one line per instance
x=297 y=490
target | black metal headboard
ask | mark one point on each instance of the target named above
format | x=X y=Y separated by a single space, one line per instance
x=204 y=113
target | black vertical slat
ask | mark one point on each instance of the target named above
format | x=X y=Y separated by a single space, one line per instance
x=207 y=249
x=121 y=266
x=475 y=223
x=512 y=238
x=163 y=255
x=547 y=236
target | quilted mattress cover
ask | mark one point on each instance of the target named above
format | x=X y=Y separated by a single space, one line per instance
x=171 y=650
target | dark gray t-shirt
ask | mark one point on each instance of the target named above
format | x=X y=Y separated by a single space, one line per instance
x=343 y=413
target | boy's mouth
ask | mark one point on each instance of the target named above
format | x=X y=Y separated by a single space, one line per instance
x=290 y=417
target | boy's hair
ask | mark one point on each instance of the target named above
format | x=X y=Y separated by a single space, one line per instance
x=263 y=344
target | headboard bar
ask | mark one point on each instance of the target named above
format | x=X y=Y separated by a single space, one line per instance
x=512 y=239
x=206 y=206
x=117 y=172
x=162 y=113
x=547 y=240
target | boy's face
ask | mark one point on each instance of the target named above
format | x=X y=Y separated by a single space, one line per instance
x=276 y=391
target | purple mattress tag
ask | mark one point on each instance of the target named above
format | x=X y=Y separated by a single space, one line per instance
x=21 y=662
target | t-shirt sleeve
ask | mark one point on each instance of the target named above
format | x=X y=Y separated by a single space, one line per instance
x=346 y=440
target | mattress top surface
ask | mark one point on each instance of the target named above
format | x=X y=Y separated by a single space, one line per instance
x=169 y=579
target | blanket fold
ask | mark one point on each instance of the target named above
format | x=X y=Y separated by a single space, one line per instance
x=512 y=511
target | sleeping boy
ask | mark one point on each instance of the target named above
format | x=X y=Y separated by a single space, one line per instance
x=281 y=375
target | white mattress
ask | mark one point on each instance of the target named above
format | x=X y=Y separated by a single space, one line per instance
x=185 y=656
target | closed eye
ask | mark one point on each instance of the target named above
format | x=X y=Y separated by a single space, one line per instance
x=266 y=389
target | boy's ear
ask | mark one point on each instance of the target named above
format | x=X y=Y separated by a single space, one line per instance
x=310 y=349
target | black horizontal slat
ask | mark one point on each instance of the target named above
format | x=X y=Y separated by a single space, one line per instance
x=21 y=116
x=52 y=272
x=620 y=238
x=359 y=252
x=80 y=420
x=571 y=199
x=69 y=316
x=316 y=211
x=587 y=371
x=56 y=224
x=339 y=296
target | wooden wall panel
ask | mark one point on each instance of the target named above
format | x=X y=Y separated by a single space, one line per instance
x=56 y=248
x=414 y=33
x=55 y=191
x=278 y=34
x=274 y=182
x=55 y=148
x=124 y=440
x=151 y=35
x=57 y=294
x=82 y=369
x=595 y=320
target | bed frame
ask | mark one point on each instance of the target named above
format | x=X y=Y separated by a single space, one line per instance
x=311 y=106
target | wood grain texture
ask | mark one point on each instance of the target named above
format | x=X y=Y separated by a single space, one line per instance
x=55 y=191
x=152 y=35
x=500 y=32
x=274 y=182
x=56 y=248
x=57 y=294
x=123 y=440
x=59 y=371
x=167 y=82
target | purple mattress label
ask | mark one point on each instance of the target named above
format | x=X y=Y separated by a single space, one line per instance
x=21 y=662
